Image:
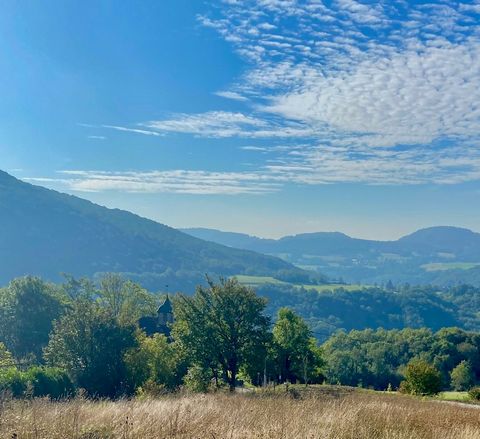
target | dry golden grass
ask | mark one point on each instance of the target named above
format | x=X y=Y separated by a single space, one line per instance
x=351 y=415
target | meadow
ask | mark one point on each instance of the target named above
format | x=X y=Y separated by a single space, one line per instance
x=444 y=266
x=325 y=415
x=256 y=281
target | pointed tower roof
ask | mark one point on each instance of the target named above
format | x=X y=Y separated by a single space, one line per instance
x=165 y=307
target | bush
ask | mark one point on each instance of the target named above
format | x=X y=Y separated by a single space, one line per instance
x=474 y=393
x=462 y=376
x=37 y=382
x=197 y=379
x=13 y=382
x=49 y=381
x=421 y=378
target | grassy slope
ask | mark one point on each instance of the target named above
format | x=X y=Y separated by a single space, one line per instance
x=256 y=281
x=444 y=266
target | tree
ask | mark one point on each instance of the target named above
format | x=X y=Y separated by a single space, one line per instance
x=295 y=348
x=28 y=307
x=461 y=377
x=223 y=325
x=6 y=359
x=125 y=300
x=155 y=363
x=90 y=345
x=421 y=378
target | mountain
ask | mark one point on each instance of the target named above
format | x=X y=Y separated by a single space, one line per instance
x=45 y=233
x=442 y=255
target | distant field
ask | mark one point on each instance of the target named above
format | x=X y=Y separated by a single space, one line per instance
x=263 y=280
x=454 y=396
x=444 y=266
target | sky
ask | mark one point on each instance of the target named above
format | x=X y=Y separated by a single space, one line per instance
x=269 y=117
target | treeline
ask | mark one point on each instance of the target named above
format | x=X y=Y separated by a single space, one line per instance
x=391 y=307
x=378 y=358
x=57 y=340
x=82 y=336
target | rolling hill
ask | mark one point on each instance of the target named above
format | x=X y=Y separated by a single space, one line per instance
x=441 y=255
x=45 y=233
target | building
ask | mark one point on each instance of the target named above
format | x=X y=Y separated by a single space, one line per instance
x=161 y=323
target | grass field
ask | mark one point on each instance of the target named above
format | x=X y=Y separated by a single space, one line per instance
x=444 y=266
x=454 y=396
x=263 y=280
x=327 y=415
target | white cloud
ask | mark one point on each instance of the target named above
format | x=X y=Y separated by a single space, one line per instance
x=222 y=124
x=231 y=95
x=380 y=92
x=174 y=181
x=132 y=130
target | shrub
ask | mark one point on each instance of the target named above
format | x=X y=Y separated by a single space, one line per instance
x=13 y=382
x=197 y=379
x=49 y=381
x=474 y=393
x=36 y=381
x=421 y=378
x=462 y=376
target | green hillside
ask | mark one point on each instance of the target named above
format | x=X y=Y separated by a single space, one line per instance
x=436 y=255
x=46 y=233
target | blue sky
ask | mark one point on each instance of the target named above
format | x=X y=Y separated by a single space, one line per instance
x=269 y=117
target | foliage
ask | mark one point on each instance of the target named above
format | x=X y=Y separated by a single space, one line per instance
x=462 y=376
x=36 y=382
x=49 y=381
x=374 y=307
x=6 y=358
x=222 y=326
x=197 y=379
x=294 y=347
x=90 y=345
x=13 y=382
x=421 y=378
x=155 y=362
x=125 y=300
x=376 y=358
x=28 y=307
x=474 y=393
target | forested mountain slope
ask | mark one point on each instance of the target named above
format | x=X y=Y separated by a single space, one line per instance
x=440 y=255
x=45 y=233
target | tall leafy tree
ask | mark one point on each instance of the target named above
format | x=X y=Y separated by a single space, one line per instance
x=6 y=358
x=155 y=363
x=28 y=307
x=125 y=300
x=222 y=324
x=90 y=345
x=295 y=346
x=462 y=376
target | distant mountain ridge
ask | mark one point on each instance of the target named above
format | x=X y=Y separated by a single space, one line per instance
x=443 y=254
x=44 y=232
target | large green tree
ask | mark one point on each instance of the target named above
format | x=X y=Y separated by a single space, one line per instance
x=90 y=345
x=461 y=377
x=125 y=300
x=421 y=378
x=155 y=364
x=295 y=347
x=28 y=307
x=223 y=324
